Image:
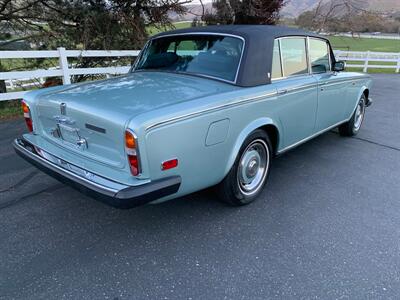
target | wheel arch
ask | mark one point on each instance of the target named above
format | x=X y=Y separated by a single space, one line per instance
x=366 y=92
x=266 y=124
x=363 y=90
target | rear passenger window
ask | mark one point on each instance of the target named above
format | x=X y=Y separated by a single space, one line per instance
x=276 y=61
x=294 y=56
x=319 y=56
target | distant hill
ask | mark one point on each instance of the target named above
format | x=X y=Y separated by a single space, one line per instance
x=385 y=5
x=294 y=8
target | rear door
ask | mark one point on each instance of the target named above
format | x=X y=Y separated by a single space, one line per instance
x=332 y=100
x=297 y=89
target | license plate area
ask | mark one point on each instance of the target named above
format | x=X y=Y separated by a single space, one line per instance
x=71 y=136
x=68 y=134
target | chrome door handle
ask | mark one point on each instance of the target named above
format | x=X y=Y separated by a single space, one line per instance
x=322 y=84
x=282 y=92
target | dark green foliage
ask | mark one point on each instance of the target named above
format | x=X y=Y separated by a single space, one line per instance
x=244 y=12
x=84 y=24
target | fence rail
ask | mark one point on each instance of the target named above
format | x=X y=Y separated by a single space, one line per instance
x=26 y=79
x=369 y=59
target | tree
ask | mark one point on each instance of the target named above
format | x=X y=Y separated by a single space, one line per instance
x=103 y=24
x=244 y=12
x=336 y=16
x=195 y=22
x=306 y=20
x=85 y=24
x=345 y=16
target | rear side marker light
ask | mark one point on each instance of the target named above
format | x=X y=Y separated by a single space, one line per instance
x=27 y=116
x=169 y=164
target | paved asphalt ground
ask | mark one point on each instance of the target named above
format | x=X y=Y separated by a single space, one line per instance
x=327 y=227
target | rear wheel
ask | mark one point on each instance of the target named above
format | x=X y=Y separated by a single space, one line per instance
x=352 y=127
x=249 y=173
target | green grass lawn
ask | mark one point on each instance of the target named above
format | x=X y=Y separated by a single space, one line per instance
x=10 y=109
x=364 y=44
x=151 y=30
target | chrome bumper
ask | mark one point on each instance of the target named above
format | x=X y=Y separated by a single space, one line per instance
x=103 y=189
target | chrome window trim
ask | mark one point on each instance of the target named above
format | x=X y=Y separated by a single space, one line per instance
x=280 y=58
x=304 y=37
x=201 y=33
x=328 y=52
x=212 y=109
x=308 y=55
x=189 y=74
x=139 y=57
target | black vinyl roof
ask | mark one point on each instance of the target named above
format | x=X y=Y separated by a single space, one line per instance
x=259 y=42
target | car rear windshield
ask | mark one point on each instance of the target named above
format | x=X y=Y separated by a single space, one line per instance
x=216 y=56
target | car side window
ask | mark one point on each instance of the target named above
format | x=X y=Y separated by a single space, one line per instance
x=294 y=56
x=319 y=56
x=276 y=61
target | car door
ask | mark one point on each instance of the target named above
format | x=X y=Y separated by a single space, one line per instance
x=296 y=88
x=332 y=100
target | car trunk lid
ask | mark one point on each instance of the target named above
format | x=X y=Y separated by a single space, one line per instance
x=91 y=118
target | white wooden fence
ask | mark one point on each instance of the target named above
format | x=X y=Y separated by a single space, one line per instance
x=63 y=70
x=24 y=78
x=370 y=59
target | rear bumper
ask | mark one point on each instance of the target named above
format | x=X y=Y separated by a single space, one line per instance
x=100 y=188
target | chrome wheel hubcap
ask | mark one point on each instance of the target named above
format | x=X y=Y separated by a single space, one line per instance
x=253 y=167
x=359 y=115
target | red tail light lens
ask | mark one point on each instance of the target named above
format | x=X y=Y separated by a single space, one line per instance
x=131 y=151
x=133 y=163
x=27 y=116
x=169 y=164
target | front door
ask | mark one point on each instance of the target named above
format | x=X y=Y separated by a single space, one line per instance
x=331 y=87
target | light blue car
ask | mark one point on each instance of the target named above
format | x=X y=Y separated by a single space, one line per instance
x=201 y=107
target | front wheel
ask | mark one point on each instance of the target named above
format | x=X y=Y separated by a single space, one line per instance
x=352 y=127
x=249 y=173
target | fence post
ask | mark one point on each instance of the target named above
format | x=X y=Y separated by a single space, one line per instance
x=11 y=83
x=366 y=63
x=337 y=54
x=64 y=65
x=398 y=64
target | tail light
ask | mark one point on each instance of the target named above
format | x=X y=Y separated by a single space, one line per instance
x=27 y=115
x=132 y=152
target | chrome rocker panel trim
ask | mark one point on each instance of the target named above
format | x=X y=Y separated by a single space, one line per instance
x=122 y=197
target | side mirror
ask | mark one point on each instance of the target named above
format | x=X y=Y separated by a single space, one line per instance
x=339 y=66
